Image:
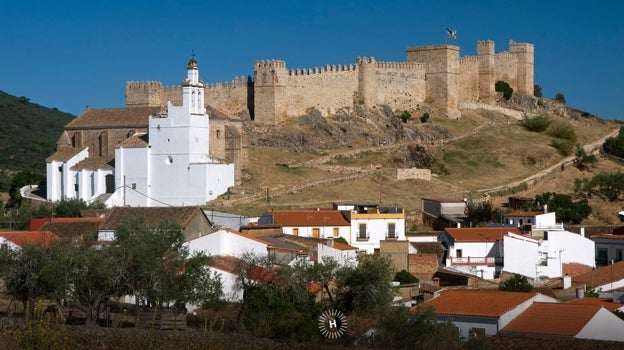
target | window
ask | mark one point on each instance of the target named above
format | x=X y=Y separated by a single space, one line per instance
x=362 y=232
x=618 y=255
x=336 y=234
x=295 y=232
x=458 y=253
x=218 y=133
x=316 y=232
x=391 y=230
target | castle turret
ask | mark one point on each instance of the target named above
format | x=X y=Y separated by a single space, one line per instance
x=367 y=84
x=441 y=64
x=485 y=53
x=144 y=94
x=270 y=91
x=525 y=54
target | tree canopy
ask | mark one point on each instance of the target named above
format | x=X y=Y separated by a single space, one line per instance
x=517 y=283
x=567 y=210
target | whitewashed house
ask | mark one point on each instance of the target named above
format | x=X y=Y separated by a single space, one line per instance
x=228 y=242
x=535 y=258
x=477 y=250
x=362 y=225
x=609 y=247
x=168 y=166
x=481 y=312
x=343 y=254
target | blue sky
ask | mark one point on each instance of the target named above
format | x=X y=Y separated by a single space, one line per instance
x=70 y=54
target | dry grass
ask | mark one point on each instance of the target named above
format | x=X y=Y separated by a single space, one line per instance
x=492 y=156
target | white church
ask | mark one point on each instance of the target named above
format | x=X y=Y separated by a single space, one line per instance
x=167 y=166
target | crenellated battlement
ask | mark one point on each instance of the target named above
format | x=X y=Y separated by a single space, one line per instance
x=436 y=74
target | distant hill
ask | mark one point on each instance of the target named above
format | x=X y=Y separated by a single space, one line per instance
x=28 y=134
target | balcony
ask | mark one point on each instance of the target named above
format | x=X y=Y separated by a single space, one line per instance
x=392 y=236
x=471 y=260
x=363 y=236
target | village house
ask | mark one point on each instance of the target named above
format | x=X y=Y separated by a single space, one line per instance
x=192 y=220
x=568 y=320
x=439 y=213
x=481 y=312
x=609 y=247
x=362 y=225
x=16 y=240
x=488 y=251
x=606 y=278
x=533 y=222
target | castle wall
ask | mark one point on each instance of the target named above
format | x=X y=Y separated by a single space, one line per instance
x=400 y=84
x=432 y=74
x=468 y=80
x=326 y=89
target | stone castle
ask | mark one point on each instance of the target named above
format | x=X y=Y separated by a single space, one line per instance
x=432 y=74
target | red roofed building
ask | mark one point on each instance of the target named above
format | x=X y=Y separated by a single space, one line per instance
x=481 y=311
x=18 y=239
x=606 y=278
x=478 y=251
x=571 y=320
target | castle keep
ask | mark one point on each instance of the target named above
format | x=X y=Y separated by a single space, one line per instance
x=433 y=74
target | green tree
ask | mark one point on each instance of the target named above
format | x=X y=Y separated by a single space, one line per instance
x=155 y=266
x=607 y=185
x=501 y=86
x=402 y=328
x=537 y=91
x=478 y=213
x=517 y=283
x=615 y=145
x=560 y=98
x=365 y=288
x=583 y=160
x=566 y=209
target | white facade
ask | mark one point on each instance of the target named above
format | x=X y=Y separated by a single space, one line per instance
x=545 y=257
x=320 y=231
x=228 y=242
x=343 y=257
x=368 y=229
x=603 y=326
x=175 y=169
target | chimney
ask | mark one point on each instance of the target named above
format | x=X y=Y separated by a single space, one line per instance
x=459 y=225
x=330 y=241
x=545 y=208
x=582 y=231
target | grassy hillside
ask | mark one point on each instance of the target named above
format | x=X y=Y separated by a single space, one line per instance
x=475 y=154
x=28 y=135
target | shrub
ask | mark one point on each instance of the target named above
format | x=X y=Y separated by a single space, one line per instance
x=562 y=131
x=560 y=98
x=564 y=147
x=405 y=116
x=503 y=87
x=517 y=283
x=405 y=277
x=537 y=91
x=536 y=123
x=424 y=118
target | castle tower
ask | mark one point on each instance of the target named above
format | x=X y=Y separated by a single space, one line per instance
x=144 y=94
x=367 y=85
x=270 y=79
x=525 y=76
x=485 y=54
x=441 y=64
x=193 y=90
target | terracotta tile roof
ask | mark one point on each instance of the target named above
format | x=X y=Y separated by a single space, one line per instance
x=575 y=269
x=309 y=218
x=137 y=140
x=248 y=236
x=180 y=215
x=474 y=302
x=64 y=155
x=216 y=113
x=135 y=117
x=603 y=275
x=38 y=238
x=523 y=213
x=552 y=319
x=480 y=234
x=92 y=163
x=339 y=246
x=606 y=303
x=225 y=263
x=592 y=230
x=73 y=227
